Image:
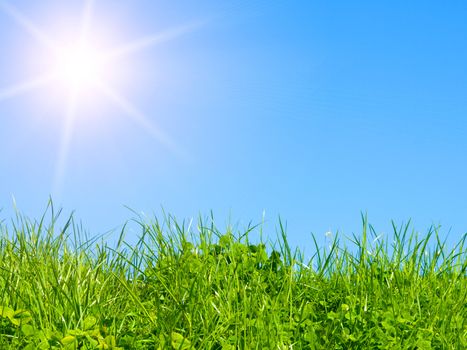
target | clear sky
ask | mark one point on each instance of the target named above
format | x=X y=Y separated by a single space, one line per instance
x=312 y=110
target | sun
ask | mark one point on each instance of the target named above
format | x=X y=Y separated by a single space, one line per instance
x=79 y=66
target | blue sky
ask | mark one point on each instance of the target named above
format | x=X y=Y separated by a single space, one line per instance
x=312 y=110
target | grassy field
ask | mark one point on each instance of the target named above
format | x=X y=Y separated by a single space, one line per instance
x=202 y=288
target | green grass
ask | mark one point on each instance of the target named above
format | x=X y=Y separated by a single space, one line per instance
x=202 y=288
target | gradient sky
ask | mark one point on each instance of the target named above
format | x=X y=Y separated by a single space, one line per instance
x=312 y=110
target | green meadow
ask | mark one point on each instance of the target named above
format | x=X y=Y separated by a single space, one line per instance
x=201 y=287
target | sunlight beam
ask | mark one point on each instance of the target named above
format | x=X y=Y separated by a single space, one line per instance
x=26 y=86
x=138 y=117
x=86 y=21
x=65 y=143
x=146 y=42
x=27 y=25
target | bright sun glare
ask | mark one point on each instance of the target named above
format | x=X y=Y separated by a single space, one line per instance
x=82 y=67
x=79 y=66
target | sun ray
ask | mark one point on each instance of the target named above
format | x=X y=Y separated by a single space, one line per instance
x=26 y=86
x=66 y=139
x=65 y=143
x=138 y=117
x=27 y=25
x=86 y=21
x=148 y=41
